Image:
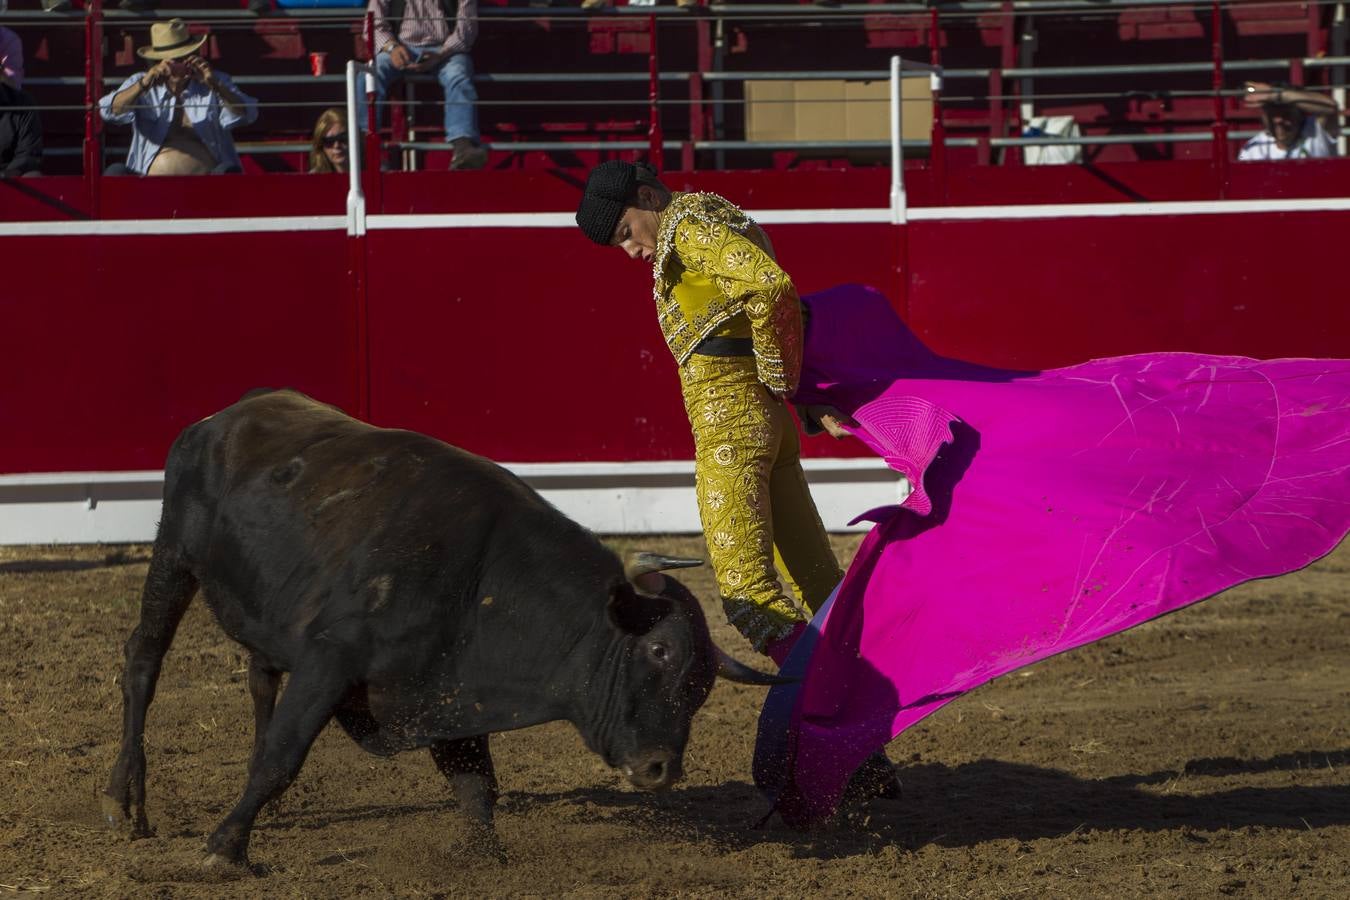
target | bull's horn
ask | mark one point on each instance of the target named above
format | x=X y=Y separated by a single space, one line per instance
x=642 y=562
x=739 y=672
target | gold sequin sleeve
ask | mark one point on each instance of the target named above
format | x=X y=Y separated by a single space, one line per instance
x=747 y=274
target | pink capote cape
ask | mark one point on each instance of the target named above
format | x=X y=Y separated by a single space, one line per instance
x=1050 y=509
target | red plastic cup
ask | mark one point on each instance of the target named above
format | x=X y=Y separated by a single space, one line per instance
x=318 y=63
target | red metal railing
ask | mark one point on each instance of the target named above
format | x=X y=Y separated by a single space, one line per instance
x=93 y=89
x=938 y=149
x=1220 y=151
x=1002 y=113
x=655 y=140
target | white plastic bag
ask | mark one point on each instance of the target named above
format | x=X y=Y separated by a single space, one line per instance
x=1052 y=154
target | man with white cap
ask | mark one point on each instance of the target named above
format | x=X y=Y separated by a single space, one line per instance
x=181 y=110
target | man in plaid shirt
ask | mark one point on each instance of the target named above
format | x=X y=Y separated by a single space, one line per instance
x=433 y=36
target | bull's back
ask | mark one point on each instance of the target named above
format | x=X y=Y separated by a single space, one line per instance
x=293 y=514
x=285 y=443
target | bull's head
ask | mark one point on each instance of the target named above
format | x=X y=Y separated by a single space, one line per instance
x=669 y=666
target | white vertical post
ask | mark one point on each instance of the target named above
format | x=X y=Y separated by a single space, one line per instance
x=356 y=198
x=898 y=200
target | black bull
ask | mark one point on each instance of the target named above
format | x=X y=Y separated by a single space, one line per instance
x=420 y=595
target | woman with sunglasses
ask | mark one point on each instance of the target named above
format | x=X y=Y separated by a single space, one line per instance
x=328 y=146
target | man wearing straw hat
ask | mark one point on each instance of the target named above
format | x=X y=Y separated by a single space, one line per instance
x=181 y=110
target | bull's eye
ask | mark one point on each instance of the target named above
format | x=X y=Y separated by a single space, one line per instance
x=657 y=652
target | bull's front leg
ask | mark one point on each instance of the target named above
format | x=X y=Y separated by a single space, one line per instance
x=467 y=764
x=169 y=587
x=307 y=703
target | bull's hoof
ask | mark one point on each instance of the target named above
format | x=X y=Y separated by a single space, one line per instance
x=219 y=863
x=481 y=840
x=114 y=816
x=217 y=867
x=128 y=820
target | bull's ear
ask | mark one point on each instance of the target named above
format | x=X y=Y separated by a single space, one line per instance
x=635 y=613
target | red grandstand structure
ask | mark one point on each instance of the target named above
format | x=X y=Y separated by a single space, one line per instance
x=466 y=305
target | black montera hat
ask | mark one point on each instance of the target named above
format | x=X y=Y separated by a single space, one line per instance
x=608 y=190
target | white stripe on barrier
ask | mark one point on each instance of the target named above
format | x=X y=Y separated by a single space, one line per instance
x=472 y=220
x=608 y=497
x=173 y=226
x=568 y=220
x=768 y=217
x=1100 y=210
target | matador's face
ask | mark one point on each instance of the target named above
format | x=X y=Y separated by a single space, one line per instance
x=636 y=233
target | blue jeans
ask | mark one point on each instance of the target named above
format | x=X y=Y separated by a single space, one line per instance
x=456 y=78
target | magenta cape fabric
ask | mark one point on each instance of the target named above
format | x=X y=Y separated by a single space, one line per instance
x=1052 y=509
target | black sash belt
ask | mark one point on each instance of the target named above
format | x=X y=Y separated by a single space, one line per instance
x=725 y=346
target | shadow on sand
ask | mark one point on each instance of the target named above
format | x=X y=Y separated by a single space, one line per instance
x=966 y=805
x=24 y=566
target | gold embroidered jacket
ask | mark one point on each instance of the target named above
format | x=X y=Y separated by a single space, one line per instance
x=714 y=273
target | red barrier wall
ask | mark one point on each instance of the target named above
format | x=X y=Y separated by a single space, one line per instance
x=113 y=344
x=533 y=345
x=1051 y=292
x=530 y=344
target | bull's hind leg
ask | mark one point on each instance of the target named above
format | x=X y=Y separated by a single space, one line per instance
x=169 y=587
x=467 y=765
x=263 y=682
x=307 y=703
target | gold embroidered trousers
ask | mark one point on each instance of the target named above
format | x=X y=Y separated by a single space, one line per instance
x=753 y=499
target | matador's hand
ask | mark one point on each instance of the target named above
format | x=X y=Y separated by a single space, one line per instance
x=831 y=419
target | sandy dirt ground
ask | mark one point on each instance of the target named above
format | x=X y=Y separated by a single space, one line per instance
x=1205 y=754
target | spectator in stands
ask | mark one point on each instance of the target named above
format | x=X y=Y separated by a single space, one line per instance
x=433 y=36
x=609 y=4
x=11 y=58
x=328 y=149
x=1299 y=124
x=20 y=133
x=181 y=110
x=128 y=5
